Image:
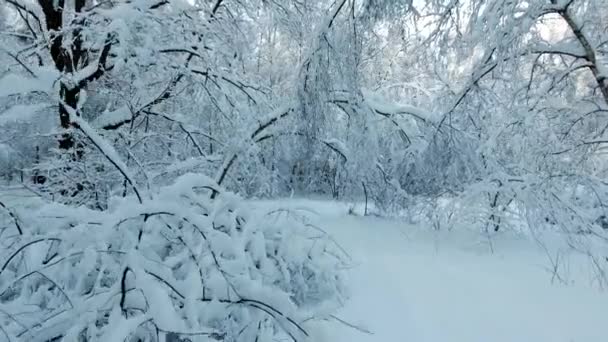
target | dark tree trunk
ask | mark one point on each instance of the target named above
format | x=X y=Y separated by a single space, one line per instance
x=54 y=23
x=69 y=98
x=65 y=61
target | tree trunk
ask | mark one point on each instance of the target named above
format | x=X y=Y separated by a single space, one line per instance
x=66 y=62
x=590 y=53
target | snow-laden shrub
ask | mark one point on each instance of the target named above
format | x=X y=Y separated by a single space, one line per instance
x=77 y=181
x=177 y=267
x=571 y=207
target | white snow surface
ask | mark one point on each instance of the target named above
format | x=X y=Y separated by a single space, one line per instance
x=20 y=113
x=417 y=285
x=109 y=118
x=412 y=284
x=13 y=84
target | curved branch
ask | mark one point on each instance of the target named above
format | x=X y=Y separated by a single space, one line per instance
x=275 y=117
x=106 y=149
x=300 y=134
x=13 y=216
x=14 y=254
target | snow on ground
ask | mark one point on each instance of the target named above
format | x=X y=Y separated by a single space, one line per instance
x=415 y=285
x=412 y=284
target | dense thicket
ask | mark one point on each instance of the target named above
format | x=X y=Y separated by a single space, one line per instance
x=490 y=113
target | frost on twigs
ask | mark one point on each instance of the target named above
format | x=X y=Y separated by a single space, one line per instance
x=178 y=267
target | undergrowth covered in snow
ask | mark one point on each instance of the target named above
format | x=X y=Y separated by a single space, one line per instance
x=177 y=267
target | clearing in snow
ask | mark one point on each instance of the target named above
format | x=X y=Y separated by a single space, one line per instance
x=413 y=284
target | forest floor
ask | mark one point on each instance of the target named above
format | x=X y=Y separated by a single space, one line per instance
x=413 y=284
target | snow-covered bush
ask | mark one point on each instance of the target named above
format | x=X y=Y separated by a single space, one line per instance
x=178 y=266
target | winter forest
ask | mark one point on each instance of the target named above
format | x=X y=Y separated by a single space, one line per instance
x=303 y=170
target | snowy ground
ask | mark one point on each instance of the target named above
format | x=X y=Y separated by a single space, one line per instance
x=410 y=284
